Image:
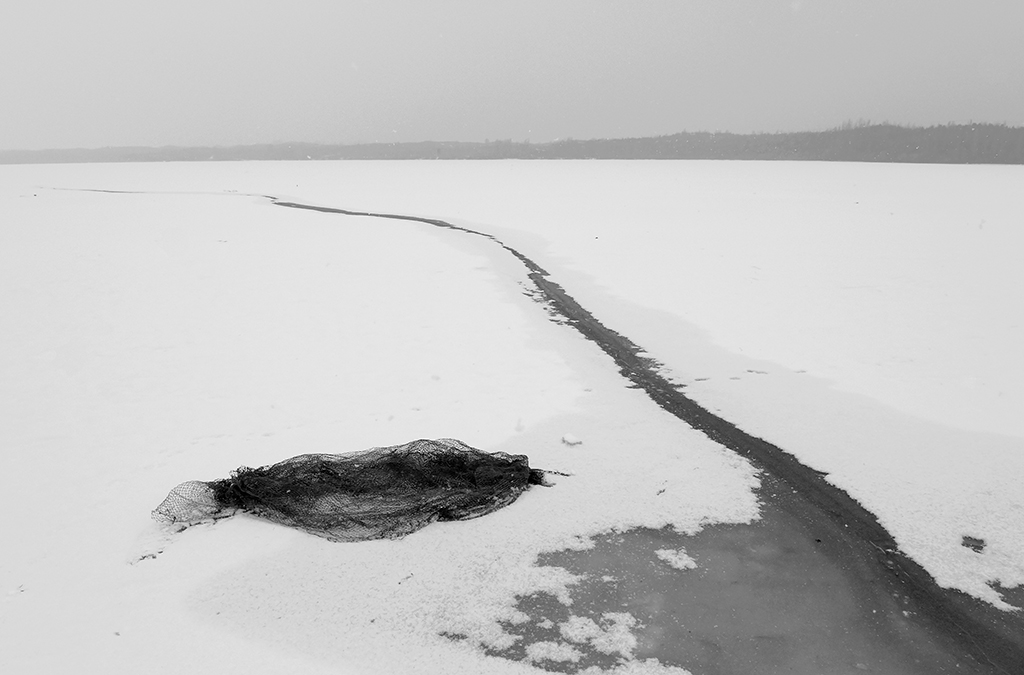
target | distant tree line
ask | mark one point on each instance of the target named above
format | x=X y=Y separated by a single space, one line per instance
x=850 y=142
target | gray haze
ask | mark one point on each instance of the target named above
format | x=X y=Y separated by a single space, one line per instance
x=220 y=72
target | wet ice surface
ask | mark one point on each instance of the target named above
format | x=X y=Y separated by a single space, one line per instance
x=764 y=598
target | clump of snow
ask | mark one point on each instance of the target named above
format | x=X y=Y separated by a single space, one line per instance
x=614 y=637
x=552 y=651
x=676 y=558
x=617 y=637
x=637 y=667
x=570 y=439
x=579 y=629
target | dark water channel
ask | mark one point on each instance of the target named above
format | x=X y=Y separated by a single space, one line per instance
x=764 y=599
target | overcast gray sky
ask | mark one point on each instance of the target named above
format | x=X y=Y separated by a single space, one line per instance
x=90 y=73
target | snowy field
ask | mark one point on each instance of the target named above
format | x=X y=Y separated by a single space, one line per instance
x=164 y=322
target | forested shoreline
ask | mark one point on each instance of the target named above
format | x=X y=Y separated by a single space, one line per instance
x=862 y=142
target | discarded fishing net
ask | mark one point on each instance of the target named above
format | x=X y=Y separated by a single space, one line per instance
x=380 y=493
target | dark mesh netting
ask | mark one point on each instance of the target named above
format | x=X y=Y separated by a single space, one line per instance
x=374 y=494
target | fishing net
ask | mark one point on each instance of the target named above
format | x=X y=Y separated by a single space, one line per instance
x=380 y=493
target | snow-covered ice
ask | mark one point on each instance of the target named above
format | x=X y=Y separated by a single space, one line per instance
x=864 y=317
x=154 y=338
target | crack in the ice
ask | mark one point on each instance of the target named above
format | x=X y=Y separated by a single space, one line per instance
x=993 y=638
x=985 y=633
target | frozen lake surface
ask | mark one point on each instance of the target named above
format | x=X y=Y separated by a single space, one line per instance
x=864 y=317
